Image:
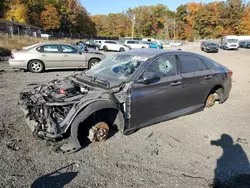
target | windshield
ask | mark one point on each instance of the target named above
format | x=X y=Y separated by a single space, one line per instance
x=117 y=69
x=232 y=40
x=211 y=44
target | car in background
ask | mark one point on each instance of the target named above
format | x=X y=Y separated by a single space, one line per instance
x=210 y=47
x=128 y=91
x=154 y=44
x=242 y=44
x=45 y=56
x=245 y=44
x=92 y=44
x=165 y=44
x=135 y=44
x=112 y=45
x=175 y=44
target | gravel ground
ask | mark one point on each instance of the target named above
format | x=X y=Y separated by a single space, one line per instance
x=176 y=153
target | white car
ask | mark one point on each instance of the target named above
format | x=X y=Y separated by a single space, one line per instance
x=135 y=44
x=175 y=43
x=111 y=45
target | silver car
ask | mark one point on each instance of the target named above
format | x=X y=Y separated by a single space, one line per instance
x=45 y=56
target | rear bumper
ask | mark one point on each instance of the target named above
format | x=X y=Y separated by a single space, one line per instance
x=17 y=64
x=227 y=91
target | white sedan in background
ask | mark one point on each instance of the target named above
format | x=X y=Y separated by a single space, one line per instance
x=135 y=44
x=111 y=45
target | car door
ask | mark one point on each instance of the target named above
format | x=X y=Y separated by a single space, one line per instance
x=50 y=56
x=72 y=57
x=197 y=80
x=151 y=103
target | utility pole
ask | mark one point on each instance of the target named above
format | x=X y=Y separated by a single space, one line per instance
x=174 y=29
x=133 y=25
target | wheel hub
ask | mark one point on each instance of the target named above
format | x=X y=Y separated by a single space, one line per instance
x=98 y=132
x=211 y=100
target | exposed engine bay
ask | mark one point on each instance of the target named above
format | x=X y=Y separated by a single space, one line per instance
x=48 y=105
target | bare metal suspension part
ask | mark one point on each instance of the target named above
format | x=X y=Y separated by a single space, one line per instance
x=99 y=132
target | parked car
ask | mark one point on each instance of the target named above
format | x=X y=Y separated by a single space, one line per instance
x=135 y=44
x=242 y=44
x=210 y=47
x=155 y=45
x=128 y=91
x=45 y=56
x=111 y=45
x=92 y=44
x=175 y=43
x=246 y=44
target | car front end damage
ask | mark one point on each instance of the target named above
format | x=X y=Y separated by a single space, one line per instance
x=52 y=109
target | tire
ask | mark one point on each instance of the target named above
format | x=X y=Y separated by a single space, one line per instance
x=105 y=48
x=121 y=50
x=92 y=62
x=36 y=66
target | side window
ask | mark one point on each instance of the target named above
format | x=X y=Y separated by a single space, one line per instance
x=48 y=49
x=113 y=42
x=163 y=66
x=68 y=49
x=191 y=64
x=130 y=42
x=208 y=63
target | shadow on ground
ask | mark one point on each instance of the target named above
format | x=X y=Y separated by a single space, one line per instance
x=56 y=179
x=233 y=168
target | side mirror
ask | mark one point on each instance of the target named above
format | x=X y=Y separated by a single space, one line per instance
x=149 y=77
x=79 y=52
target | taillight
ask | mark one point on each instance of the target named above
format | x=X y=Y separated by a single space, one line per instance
x=230 y=73
x=12 y=56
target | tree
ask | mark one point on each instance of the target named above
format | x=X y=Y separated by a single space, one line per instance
x=50 y=18
x=244 y=26
x=17 y=12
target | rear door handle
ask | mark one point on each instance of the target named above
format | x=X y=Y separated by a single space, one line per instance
x=207 y=77
x=65 y=55
x=44 y=55
x=176 y=83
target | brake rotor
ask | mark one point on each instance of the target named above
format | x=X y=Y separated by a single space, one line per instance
x=210 y=100
x=99 y=132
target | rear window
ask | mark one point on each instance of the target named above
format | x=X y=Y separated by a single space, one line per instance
x=191 y=64
x=209 y=63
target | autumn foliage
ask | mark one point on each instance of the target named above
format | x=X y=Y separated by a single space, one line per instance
x=189 y=21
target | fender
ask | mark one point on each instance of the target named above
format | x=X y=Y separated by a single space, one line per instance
x=89 y=110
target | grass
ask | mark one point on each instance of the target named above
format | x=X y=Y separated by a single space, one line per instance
x=7 y=44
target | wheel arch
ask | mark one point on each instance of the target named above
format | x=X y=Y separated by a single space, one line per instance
x=90 y=110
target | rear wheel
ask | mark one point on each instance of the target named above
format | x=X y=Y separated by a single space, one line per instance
x=121 y=50
x=105 y=48
x=36 y=66
x=92 y=62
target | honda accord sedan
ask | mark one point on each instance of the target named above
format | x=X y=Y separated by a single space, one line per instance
x=45 y=56
x=128 y=91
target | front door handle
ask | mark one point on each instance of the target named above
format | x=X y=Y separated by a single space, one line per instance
x=65 y=55
x=176 y=83
x=207 y=77
x=44 y=55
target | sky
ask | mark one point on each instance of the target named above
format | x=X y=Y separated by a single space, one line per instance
x=117 y=6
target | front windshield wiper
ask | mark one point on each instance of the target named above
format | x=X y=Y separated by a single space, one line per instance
x=95 y=79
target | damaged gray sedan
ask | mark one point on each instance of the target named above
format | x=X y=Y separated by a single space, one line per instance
x=126 y=92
